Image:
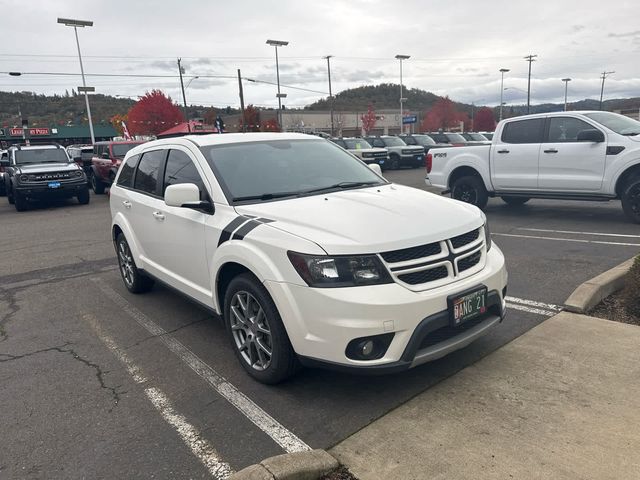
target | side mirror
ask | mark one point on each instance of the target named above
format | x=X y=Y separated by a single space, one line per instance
x=186 y=195
x=4 y=162
x=376 y=168
x=591 y=135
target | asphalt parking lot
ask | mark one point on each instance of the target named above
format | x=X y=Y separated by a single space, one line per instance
x=98 y=383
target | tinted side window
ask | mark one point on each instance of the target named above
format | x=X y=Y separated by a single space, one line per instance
x=566 y=129
x=180 y=169
x=126 y=175
x=148 y=171
x=523 y=131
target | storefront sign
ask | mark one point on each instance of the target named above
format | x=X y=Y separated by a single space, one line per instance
x=17 y=132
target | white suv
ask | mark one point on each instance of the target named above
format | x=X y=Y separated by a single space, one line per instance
x=310 y=256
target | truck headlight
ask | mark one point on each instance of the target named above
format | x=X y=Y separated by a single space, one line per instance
x=339 y=271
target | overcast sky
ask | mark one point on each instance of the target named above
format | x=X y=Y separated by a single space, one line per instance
x=456 y=47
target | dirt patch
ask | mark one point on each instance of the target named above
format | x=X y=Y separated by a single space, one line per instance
x=614 y=308
x=342 y=473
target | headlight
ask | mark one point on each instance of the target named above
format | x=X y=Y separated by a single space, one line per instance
x=24 y=178
x=487 y=234
x=367 y=155
x=78 y=173
x=339 y=271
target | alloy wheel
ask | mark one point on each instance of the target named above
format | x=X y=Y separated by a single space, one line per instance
x=465 y=193
x=251 y=331
x=125 y=260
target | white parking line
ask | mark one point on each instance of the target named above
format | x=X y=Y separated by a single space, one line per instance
x=597 y=234
x=566 y=239
x=190 y=435
x=533 y=303
x=537 y=311
x=265 y=422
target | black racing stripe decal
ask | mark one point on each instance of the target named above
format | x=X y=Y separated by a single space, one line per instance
x=228 y=230
x=264 y=220
x=246 y=228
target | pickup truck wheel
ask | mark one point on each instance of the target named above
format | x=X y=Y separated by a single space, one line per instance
x=470 y=189
x=97 y=185
x=631 y=199
x=394 y=162
x=257 y=334
x=515 y=201
x=134 y=279
x=83 y=197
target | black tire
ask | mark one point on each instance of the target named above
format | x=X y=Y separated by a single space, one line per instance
x=97 y=185
x=84 y=197
x=10 y=197
x=631 y=199
x=283 y=362
x=134 y=279
x=515 y=201
x=470 y=189
x=20 y=201
x=394 y=162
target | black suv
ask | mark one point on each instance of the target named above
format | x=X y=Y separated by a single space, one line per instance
x=42 y=172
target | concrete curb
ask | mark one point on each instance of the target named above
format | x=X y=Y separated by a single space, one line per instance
x=593 y=291
x=290 y=466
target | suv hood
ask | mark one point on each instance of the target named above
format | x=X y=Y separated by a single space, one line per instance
x=369 y=220
x=47 y=167
x=415 y=148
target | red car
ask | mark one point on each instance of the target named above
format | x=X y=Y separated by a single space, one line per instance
x=106 y=160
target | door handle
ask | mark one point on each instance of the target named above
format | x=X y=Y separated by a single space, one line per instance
x=503 y=151
x=126 y=203
x=551 y=150
x=158 y=216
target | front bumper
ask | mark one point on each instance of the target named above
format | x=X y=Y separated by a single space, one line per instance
x=322 y=321
x=42 y=190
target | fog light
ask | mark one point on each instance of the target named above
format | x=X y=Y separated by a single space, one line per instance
x=369 y=348
x=366 y=348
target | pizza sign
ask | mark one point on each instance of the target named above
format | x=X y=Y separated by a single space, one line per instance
x=17 y=132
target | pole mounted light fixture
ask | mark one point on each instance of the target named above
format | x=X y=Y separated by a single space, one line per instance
x=69 y=22
x=280 y=96
x=566 y=85
x=502 y=72
x=402 y=99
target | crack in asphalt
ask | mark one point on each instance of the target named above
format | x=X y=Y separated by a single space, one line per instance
x=13 y=308
x=61 y=272
x=200 y=320
x=113 y=391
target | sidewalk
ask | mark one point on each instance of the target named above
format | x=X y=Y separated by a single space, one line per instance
x=560 y=402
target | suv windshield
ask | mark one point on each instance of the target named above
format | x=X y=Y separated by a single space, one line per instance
x=121 y=149
x=477 y=137
x=356 y=143
x=41 y=155
x=455 y=138
x=424 y=140
x=393 y=142
x=618 y=123
x=258 y=171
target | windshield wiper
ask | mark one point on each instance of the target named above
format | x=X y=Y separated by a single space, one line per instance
x=266 y=196
x=342 y=185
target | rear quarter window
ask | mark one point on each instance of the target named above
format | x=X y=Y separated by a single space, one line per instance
x=148 y=171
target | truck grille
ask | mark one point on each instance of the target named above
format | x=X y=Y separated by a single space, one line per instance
x=41 y=177
x=435 y=264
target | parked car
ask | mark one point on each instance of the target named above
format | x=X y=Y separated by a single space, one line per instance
x=42 y=172
x=590 y=155
x=309 y=256
x=424 y=141
x=365 y=152
x=3 y=156
x=106 y=160
x=400 y=154
x=487 y=135
x=451 y=138
x=82 y=155
x=474 y=138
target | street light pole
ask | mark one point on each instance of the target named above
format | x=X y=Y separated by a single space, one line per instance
x=184 y=97
x=529 y=58
x=328 y=57
x=502 y=72
x=604 y=76
x=75 y=24
x=566 y=86
x=401 y=57
x=276 y=44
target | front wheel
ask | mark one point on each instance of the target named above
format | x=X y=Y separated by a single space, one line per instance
x=394 y=162
x=631 y=199
x=470 y=189
x=134 y=279
x=97 y=185
x=257 y=334
x=83 y=197
x=20 y=202
x=515 y=201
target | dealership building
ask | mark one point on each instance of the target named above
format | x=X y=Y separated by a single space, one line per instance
x=64 y=135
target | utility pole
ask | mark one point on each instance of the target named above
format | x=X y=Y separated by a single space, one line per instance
x=328 y=57
x=604 y=76
x=244 y=123
x=184 y=97
x=529 y=58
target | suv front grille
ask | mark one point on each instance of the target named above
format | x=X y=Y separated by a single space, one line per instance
x=42 y=177
x=438 y=263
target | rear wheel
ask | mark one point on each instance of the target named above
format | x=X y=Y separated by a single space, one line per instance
x=97 y=185
x=257 y=334
x=134 y=279
x=631 y=199
x=470 y=189
x=515 y=201
x=84 y=197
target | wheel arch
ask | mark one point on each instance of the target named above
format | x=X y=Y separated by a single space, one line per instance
x=463 y=171
x=629 y=172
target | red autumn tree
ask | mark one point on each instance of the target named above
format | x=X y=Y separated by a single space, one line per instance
x=116 y=122
x=443 y=115
x=270 y=125
x=368 y=120
x=210 y=116
x=484 y=121
x=252 y=119
x=153 y=113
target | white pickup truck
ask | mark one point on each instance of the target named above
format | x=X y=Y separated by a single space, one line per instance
x=588 y=155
